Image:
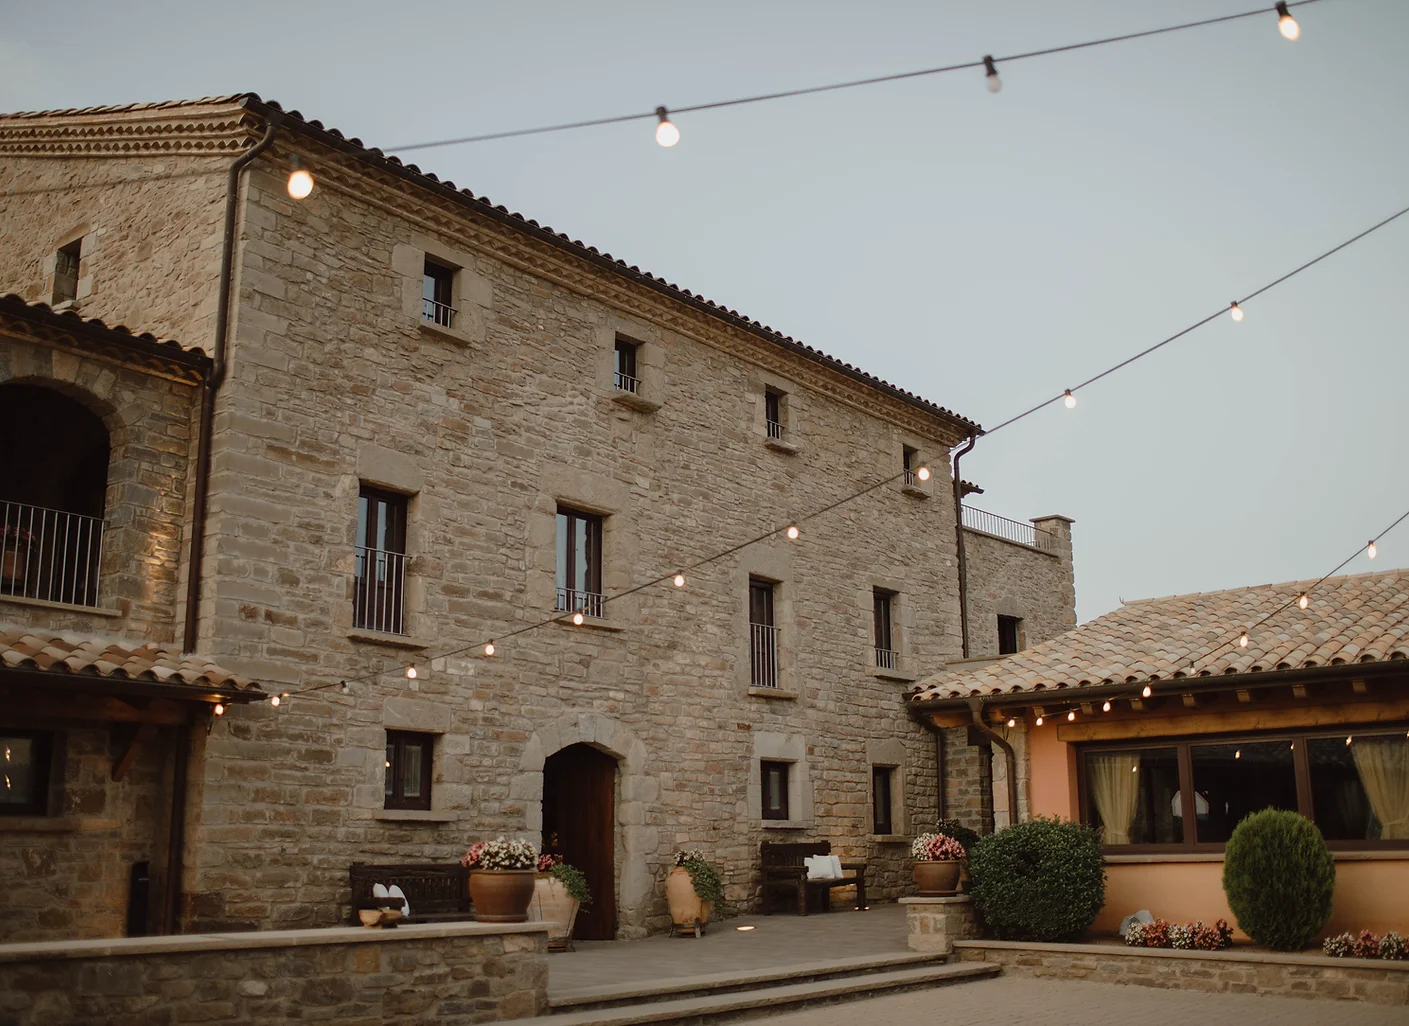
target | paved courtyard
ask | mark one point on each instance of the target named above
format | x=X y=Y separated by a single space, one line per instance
x=1076 y=1003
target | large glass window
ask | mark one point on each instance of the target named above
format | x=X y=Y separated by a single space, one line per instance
x=1360 y=786
x=1133 y=796
x=1234 y=780
x=24 y=773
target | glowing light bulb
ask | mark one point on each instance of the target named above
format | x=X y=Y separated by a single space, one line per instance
x=1238 y=754
x=1243 y=641
x=1069 y=399
x=1146 y=692
x=300 y=181
x=1012 y=722
x=1039 y=721
x=1106 y=705
x=1235 y=311
x=274 y=700
x=1135 y=768
x=219 y=709
x=577 y=619
x=1370 y=549
x=346 y=688
x=489 y=649
x=666 y=133
x=411 y=673
x=1349 y=738
x=1286 y=24
x=680 y=580
x=1303 y=600
x=1071 y=716
x=792 y=532
x=990 y=73
x=923 y=473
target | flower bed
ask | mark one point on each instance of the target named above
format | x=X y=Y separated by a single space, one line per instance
x=1390 y=947
x=1185 y=937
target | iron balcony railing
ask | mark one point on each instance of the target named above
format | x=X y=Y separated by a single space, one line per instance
x=379 y=591
x=763 y=655
x=50 y=555
x=887 y=659
x=588 y=603
x=437 y=313
x=910 y=477
x=775 y=430
x=626 y=383
x=1010 y=530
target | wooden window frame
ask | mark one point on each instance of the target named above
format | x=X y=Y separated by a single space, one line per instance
x=38 y=805
x=879 y=774
x=774 y=412
x=442 y=279
x=883 y=617
x=72 y=250
x=396 y=741
x=565 y=558
x=1182 y=745
x=625 y=363
x=785 y=781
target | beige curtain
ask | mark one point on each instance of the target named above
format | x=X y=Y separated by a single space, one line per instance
x=1383 y=765
x=1114 y=779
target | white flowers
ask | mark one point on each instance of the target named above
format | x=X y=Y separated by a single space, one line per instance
x=501 y=853
x=936 y=848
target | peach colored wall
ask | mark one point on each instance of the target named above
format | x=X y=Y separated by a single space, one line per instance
x=1053 y=780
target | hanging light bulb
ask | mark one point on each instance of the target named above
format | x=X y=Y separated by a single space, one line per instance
x=346 y=688
x=1071 y=716
x=1146 y=692
x=990 y=71
x=1106 y=705
x=1238 y=754
x=577 y=618
x=1243 y=641
x=489 y=649
x=792 y=532
x=1349 y=738
x=1039 y=721
x=1370 y=549
x=680 y=580
x=666 y=133
x=1012 y=722
x=1286 y=24
x=411 y=672
x=300 y=179
x=1235 y=311
x=1303 y=600
x=274 y=700
x=1069 y=399
x=219 y=709
x=923 y=473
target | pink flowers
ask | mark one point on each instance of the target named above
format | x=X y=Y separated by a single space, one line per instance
x=472 y=857
x=936 y=848
x=1185 y=937
x=547 y=861
x=1391 y=946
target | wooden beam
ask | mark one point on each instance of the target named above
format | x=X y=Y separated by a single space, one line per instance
x=142 y=735
x=16 y=705
x=1299 y=691
x=1191 y=701
x=1359 y=686
x=1245 y=696
x=951 y=718
x=1235 y=719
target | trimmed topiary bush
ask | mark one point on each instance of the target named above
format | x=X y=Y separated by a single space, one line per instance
x=1038 y=881
x=1279 y=878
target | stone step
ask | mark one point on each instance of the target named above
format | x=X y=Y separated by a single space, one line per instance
x=672 y=988
x=763 y=1000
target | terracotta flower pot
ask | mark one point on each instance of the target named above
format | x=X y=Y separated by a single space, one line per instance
x=937 y=879
x=553 y=904
x=686 y=909
x=501 y=895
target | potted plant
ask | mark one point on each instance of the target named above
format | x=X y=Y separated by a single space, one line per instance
x=559 y=891
x=938 y=858
x=15 y=542
x=692 y=888
x=501 y=879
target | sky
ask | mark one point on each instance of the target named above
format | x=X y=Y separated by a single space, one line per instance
x=985 y=251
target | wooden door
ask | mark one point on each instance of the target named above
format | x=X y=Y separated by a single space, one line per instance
x=579 y=823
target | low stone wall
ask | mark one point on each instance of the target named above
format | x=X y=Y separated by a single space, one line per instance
x=934 y=924
x=449 y=974
x=1236 y=972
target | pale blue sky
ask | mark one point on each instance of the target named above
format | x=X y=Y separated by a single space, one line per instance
x=984 y=251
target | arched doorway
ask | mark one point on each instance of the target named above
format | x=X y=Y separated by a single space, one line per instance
x=579 y=823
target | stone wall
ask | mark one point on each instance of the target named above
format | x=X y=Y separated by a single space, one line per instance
x=1009 y=579
x=451 y=974
x=1233 y=972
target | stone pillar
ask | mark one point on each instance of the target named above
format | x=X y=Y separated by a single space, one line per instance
x=936 y=923
x=1060 y=528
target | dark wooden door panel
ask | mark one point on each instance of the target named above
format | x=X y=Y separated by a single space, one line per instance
x=579 y=823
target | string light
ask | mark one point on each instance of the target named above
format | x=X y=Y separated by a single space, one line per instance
x=1243 y=641
x=577 y=618
x=346 y=688
x=219 y=709
x=792 y=532
x=1039 y=721
x=666 y=132
x=1302 y=600
x=1370 y=549
x=411 y=672
x=1235 y=311
x=1146 y=692
x=990 y=72
x=274 y=700
x=1106 y=705
x=1238 y=754
x=679 y=580
x=1348 y=738
x=1286 y=24
x=300 y=179
x=923 y=473
x=1012 y=722
x=1069 y=399
x=1071 y=716
x=489 y=649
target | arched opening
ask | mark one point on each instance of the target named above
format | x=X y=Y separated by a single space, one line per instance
x=579 y=823
x=53 y=482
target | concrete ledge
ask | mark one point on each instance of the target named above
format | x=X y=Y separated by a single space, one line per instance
x=414 y=816
x=120 y=947
x=774 y=693
x=63 y=607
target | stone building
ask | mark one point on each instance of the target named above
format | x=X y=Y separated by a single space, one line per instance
x=425 y=423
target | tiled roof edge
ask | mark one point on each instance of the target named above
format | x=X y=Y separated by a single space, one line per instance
x=70 y=321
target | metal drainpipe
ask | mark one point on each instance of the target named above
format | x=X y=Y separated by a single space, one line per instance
x=176 y=837
x=212 y=384
x=959 y=547
x=976 y=711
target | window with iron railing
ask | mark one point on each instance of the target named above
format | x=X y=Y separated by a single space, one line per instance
x=883 y=605
x=579 y=562
x=773 y=414
x=438 y=295
x=910 y=460
x=763 y=635
x=379 y=571
x=625 y=367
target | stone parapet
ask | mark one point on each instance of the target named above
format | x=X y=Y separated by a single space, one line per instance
x=452 y=973
x=934 y=924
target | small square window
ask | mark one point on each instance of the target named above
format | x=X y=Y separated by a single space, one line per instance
x=881 y=821
x=438 y=295
x=775 y=789
x=1008 y=634
x=626 y=378
x=910 y=460
x=66 y=272
x=24 y=773
x=773 y=413
x=408 y=769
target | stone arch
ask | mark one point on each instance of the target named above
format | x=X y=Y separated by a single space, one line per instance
x=636 y=841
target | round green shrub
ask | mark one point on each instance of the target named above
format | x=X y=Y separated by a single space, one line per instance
x=1279 y=877
x=1041 y=880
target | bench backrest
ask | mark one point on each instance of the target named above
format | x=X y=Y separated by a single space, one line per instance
x=777 y=854
x=429 y=888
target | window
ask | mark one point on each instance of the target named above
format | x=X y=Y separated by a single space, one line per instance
x=24 y=788
x=886 y=657
x=910 y=464
x=775 y=789
x=626 y=377
x=1008 y=634
x=408 y=769
x=437 y=295
x=763 y=634
x=66 y=272
x=379 y=575
x=1193 y=793
x=579 y=562
x=881 y=777
x=773 y=413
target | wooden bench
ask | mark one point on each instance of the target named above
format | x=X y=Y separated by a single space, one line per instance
x=437 y=893
x=785 y=875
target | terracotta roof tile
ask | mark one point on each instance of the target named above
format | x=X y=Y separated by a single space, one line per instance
x=26 y=648
x=14 y=305
x=1358 y=618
